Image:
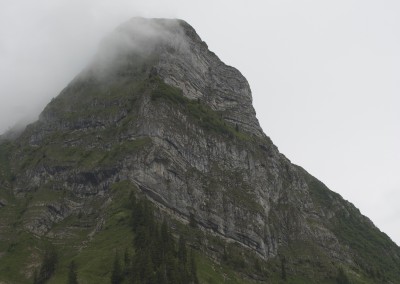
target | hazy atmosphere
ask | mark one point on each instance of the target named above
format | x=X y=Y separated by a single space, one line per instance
x=325 y=76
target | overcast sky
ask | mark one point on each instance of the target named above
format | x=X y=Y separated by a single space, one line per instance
x=325 y=76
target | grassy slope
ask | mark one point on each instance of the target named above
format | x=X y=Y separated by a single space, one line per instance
x=370 y=246
x=94 y=258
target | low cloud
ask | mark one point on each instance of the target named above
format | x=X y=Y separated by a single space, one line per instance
x=137 y=38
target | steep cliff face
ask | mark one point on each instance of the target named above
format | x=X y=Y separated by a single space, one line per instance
x=158 y=109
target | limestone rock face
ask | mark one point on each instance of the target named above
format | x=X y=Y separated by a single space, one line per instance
x=160 y=110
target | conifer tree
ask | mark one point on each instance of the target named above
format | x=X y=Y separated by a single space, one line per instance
x=341 y=277
x=157 y=259
x=48 y=266
x=193 y=269
x=35 y=277
x=72 y=274
x=182 y=250
x=283 y=269
x=116 y=274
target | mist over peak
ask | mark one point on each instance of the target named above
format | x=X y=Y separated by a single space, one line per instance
x=172 y=50
x=139 y=38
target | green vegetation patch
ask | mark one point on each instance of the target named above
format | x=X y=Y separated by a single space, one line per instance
x=6 y=173
x=203 y=115
x=371 y=245
x=19 y=260
x=102 y=98
x=81 y=157
x=211 y=272
x=373 y=248
x=241 y=197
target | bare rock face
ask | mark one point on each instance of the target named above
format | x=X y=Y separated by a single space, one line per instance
x=158 y=109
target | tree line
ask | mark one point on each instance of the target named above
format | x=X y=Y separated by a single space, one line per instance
x=157 y=257
x=154 y=256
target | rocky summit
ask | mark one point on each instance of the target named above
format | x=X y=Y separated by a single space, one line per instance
x=160 y=117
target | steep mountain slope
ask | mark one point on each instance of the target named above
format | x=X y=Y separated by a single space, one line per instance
x=158 y=113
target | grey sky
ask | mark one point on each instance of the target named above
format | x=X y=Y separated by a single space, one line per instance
x=325 y=76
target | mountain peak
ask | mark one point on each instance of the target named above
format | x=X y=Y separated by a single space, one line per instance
x=156 y=114
x=172 y=49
